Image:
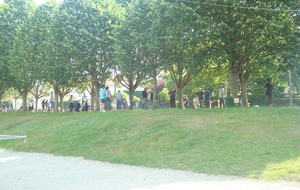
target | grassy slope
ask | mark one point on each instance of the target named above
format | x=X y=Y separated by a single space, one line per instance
x=258 y=142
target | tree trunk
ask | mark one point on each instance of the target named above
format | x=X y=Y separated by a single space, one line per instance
x=15 y=108
x=234 y=83
x=1 y=94
x=154 y=91
x=243 y=79
x=93 y=94
x=244 y=92
x=131 y=94
x=180 y=96
x=24 y=98
x=97 y=95
x=36 y=104
x=61 y=102
x=226 y=88
x=56 y=88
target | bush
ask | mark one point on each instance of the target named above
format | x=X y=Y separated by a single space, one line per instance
x=6 y=104
x=163 y=95
x=286 y=101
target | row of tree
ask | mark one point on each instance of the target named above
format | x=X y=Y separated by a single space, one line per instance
x=85 y=42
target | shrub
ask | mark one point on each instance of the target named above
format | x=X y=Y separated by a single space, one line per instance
x=163 y=95
x=286 y=101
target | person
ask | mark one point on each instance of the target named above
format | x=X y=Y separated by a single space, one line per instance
x=107 y=99
x=46 y=106
x=268 y=92
x=196 y=102
x=30 y=105
x=77 y=107
x=207 y=98
x=51 y=102
x=124 y=104
x=200 y=97
x=102 y=98
x=185 y=103
x=43 y=104
x=172 y=94
x=222 y=96
x=71 y=105
x=84 y=103
x=145 y=96
x=119 y=98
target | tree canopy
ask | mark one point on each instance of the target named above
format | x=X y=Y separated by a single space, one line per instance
x=83 y=42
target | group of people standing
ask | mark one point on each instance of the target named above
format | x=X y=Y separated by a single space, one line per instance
x=204 y=99
x=200 y=100
x=48 y=105
x=105 y=99
x=76 y=106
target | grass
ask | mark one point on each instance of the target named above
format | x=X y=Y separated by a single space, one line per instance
x=262 y=143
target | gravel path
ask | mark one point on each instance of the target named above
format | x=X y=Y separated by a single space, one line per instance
x=19 y=171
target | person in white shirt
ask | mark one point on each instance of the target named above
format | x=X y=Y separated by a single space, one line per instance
x=84 y=103
x=107 y=99
x=119 y=98
x=222 y=96
x=196 y=102
x=51 y=102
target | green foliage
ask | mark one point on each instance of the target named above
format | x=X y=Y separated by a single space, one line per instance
x=13 y=17
x=286 y=101
x=248 y=41
x=200 y=45
x=7 y=104
x=163 y=95
x=3 y=6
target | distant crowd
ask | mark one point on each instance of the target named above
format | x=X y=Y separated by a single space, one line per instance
x=202 y=99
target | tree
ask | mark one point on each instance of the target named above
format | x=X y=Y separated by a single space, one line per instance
x=84 y=29
x=13 y=17
x=62 y=92
x=61 y=70
x=152 y=43
x=39 y=90
x=178 y=43
x=14 y=94
x=247 y=39
x=129 y=61
x=20 y=63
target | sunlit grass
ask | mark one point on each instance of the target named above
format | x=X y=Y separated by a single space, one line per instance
x=281 y=171
x=243 y=142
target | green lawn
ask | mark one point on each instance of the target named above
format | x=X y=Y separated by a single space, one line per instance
x=262 y=143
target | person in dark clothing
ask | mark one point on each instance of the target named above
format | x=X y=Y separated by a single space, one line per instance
x=207 y=98
x=43 y=104
x=172 y=94
x=200 y=97
x=145 y=96
x=71 y=105
x=268 y=92
x=77 y=107
x=84 y=103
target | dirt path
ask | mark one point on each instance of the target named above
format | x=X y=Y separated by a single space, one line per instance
x=19 y=171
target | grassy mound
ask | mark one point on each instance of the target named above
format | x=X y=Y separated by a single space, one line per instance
x=243 y=142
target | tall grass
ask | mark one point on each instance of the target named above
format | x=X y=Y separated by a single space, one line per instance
x=256 y=142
